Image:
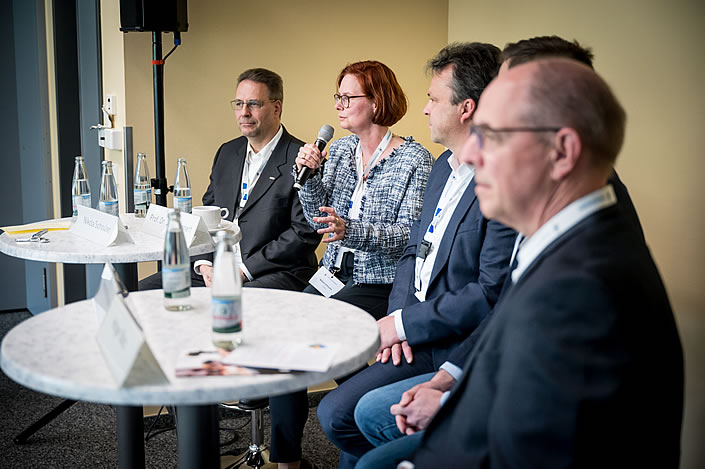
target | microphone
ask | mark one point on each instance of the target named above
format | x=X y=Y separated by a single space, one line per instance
x=324 y=136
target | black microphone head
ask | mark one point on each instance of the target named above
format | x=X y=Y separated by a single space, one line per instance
x=326 y=133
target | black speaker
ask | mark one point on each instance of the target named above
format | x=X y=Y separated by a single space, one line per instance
x=153 y=15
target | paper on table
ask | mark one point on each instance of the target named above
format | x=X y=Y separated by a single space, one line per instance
x=51 y=225
x=284 y=356
x=205 y=362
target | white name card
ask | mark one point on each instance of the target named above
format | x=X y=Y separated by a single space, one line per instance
x=194 y=229
x=100 y=228
x=125 y=349
x=110 y=287
x=156 y=220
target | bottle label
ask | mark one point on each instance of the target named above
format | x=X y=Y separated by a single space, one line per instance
x=109 y=206
x=176 y=282
x=227 y=314
x=183 y=203
x=84 y=199
x=140 y=197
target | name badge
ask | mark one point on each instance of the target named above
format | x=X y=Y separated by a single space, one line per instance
x=100 y=228
x=326 y=283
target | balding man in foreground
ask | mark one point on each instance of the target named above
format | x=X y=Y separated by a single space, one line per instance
x=581 y=364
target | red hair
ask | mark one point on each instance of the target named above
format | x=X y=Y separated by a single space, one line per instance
x=379 y=83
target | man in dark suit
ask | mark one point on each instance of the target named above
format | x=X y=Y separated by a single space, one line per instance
x=251 y=177
x=581 y=364
x=452 y=269
x=377 y=402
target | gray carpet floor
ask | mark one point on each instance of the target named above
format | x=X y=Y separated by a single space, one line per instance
x=85 y=435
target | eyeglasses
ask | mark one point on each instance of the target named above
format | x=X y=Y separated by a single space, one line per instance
x=254 y=104
x=483 y=131
x=345 y=99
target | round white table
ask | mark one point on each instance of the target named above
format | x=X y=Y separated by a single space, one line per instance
x=57 y=353
x=67 y=248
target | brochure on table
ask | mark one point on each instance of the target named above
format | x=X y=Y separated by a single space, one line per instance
x=99 y=227
x=195 y=229
x=206 y=361
x=284 y=356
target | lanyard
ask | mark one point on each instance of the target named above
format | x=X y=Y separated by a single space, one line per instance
x=360 y=186
x=449 y=197
x=378 y=152
x=247 y=184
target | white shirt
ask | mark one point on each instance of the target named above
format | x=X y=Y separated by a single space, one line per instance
x=460 y=177
x=253 y=167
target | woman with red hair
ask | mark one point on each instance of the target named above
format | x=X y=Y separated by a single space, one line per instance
x=370 y=191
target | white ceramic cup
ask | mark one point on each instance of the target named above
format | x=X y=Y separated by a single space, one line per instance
x=211 y=215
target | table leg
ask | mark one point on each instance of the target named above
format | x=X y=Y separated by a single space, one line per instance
x=197 y=433
x=128 y=275
x=130 y=429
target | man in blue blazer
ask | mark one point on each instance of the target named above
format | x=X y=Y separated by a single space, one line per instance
x=567 y=373
x=453 y=268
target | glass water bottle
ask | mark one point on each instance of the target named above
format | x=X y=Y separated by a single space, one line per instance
x=80 y=189
x=108 y=201
x=176 y=268
x=182 y=188
x=226 y=293
x=143 y=189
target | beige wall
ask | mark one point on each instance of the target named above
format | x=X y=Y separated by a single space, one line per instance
x=648 y=51
x=306 y=45
x=651 y=53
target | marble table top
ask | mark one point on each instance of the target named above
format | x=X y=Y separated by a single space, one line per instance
x=56 y=352
x=68 y=248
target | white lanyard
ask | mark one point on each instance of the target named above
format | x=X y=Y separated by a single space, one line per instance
x=247 y=184
x=560 y=223
x=451 y=193
x=362 y=178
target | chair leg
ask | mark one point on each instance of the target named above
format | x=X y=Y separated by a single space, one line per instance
x=255 y=456
x=48 y=417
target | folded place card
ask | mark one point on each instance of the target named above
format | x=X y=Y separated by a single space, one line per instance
x=125 y=349
x=100 y=228
x=156 y=220
x=110 y=287
x=195 y=229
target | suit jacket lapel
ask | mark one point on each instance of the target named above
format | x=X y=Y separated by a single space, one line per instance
x=274 y=169
x=466 y=201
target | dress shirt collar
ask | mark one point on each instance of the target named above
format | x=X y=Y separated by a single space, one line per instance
x=462 y=170
x=530 y=248
x=266 y=150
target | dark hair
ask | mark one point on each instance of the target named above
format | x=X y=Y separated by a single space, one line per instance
x=475 y=64
x=379 y=82
x=271 y=80
x=539 y=47
x=569 y=94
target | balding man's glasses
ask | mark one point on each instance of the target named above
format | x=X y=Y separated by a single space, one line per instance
x=254 y=104
x=345 y=99
x=484 y=131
